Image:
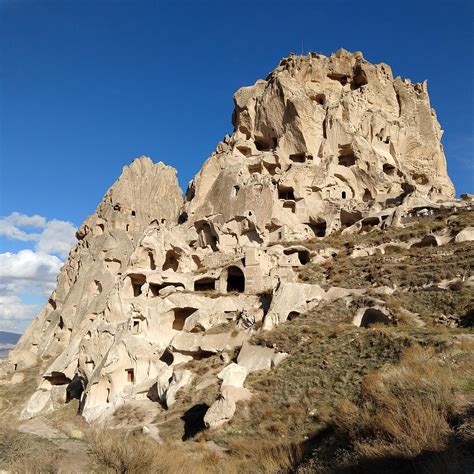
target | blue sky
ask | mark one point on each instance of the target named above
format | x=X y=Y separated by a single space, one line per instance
x=87 y=86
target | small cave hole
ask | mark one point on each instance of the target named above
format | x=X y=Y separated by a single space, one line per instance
x=319 y=228
x=298 y=158
x=342 y=78
x=373 y=316
x=235 y=190
x=263 y=145
x=292 y=315
x=167 y=357
x=319 y=98
x=183 y=217
x=136 y=282
x=388 y=169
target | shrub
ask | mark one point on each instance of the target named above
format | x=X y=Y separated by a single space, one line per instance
x=403 y=411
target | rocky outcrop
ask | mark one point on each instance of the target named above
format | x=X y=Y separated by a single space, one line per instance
x=324 y=144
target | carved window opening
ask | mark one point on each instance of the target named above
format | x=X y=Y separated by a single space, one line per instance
x=235 y=191
x=130 y=375
x=235 y=280
x=286 y=193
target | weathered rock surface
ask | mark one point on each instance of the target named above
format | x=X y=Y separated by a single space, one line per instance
x=324 y=144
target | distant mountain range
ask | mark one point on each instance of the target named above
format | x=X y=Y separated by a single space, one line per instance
x=9 y=337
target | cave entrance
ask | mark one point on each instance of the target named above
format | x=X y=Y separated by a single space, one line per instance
x=136 y=282
x=205 y=284
x=180 y=316
x=171 y=261
x=235 y=280
x=319 y=227
x=373 y=316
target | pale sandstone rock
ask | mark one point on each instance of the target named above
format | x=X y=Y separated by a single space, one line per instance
x=466 y=235
x=233 y=374
x=17 y=378
x=223 y=409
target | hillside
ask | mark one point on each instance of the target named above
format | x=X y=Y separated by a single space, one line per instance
x=307 y=307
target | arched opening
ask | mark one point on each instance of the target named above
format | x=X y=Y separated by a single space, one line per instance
x=235 y=280
x=373 y=316
x=292 y=315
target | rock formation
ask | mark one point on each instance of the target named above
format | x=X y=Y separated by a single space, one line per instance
x=324 y=144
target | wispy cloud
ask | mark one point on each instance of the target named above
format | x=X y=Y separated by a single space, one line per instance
x=56 y=237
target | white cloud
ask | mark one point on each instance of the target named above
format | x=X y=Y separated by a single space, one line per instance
x=13 y=309
x=57 y=238
x=30 y=272
x=28 y=269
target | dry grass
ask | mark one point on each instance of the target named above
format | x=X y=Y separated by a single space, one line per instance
x=22 y=453
x=138 y=454
x=405 y=410
x=409 y=417
x=129 y=414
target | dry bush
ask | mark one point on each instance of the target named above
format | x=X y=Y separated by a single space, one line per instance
x=138 y=454
x=403 y=411
x=22 y=453
x=12 y=444
x=121 y=453
x=253 y=456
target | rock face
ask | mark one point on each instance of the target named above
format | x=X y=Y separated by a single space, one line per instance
x=323 y=144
